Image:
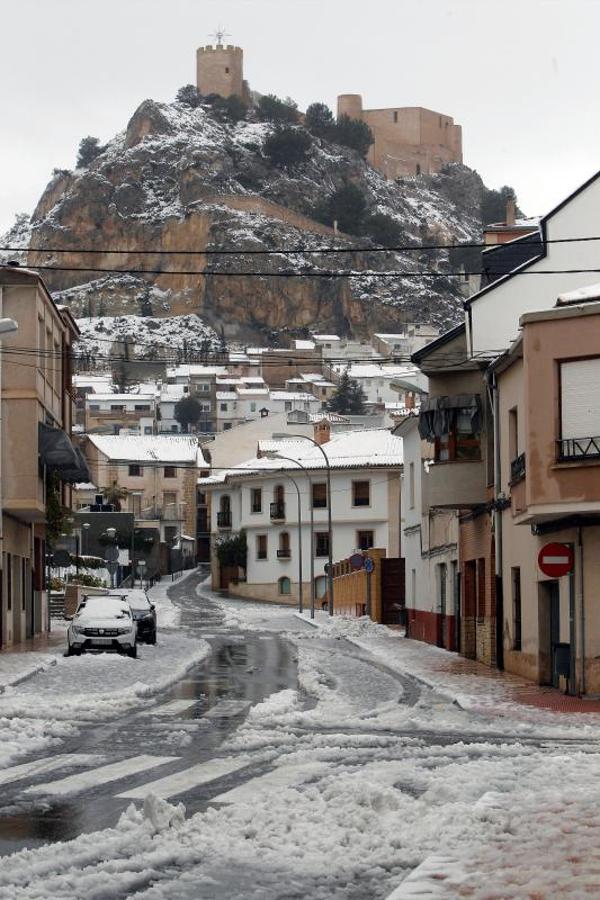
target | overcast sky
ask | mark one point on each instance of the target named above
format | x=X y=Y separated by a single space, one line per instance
x=520 y=76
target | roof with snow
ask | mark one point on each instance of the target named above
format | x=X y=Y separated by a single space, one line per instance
x=293 y=395
x=120 y=398
x=581 y=295
x=369 y=449
x=186 y=371
x=226 y=395
x=304 y=345
x=149 y=448
x=321 y=338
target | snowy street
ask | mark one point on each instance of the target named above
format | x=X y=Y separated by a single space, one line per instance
x=251 y=754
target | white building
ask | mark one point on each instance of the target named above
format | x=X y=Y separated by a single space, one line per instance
x=429 y=547
x=260 y=498
x=377 y=380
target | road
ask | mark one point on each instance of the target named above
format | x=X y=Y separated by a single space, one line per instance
x=307 y=769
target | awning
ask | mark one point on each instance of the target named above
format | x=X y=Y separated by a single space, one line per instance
x=58 y=455
x=440 y=415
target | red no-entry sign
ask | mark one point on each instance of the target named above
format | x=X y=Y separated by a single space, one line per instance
x=556 y=560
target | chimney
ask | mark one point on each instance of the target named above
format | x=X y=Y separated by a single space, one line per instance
x=510 y=211
x=322 y=432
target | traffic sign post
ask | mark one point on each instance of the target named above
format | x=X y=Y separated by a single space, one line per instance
x=556 y=560
x=369 y=565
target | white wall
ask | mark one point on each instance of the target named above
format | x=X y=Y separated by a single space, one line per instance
x=495 y=315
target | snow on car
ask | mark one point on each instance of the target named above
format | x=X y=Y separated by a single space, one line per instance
x=102 y=623
x=143 y=611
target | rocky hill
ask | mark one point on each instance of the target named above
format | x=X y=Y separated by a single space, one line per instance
x=181 y=179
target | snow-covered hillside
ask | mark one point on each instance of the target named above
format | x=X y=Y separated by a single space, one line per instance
x=147 y=337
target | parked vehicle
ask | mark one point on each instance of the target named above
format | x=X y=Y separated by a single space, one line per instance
x=144 y=614
x=102 y=622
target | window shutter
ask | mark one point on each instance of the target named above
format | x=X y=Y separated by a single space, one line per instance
x=580 y=398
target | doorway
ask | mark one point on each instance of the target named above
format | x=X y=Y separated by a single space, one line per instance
x=549 y=630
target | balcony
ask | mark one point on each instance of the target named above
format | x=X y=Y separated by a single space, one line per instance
x=284 y=553
x=173 y=512
x=460 y=484
x=517 y=469
x=224 y=519
x=575 y=449
x=278 y=511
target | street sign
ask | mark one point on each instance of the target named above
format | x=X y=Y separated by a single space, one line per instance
x=357 y=561
x=369 y=565
x=556 y=560
x=111 y=554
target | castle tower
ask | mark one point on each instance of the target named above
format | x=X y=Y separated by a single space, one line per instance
x=349 y=105
x=220 y=70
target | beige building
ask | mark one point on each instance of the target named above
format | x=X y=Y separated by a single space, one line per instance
x=158 y=472
x=409 y=140
x=38 y=461
x=114 y=413
x=549 y=436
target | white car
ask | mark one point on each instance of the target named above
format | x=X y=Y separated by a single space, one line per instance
x=102 y=623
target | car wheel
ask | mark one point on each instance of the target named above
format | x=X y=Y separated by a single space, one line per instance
x=152 y=638
x=132 y=652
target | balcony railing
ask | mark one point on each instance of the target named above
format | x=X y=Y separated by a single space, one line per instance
x=578 y=448
x=278 y=511
x=170 y=511
x=284 y=553
x=517 y=469
x=224 y=519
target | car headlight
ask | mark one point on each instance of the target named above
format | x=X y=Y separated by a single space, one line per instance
x=77 y=629
x=123 y=630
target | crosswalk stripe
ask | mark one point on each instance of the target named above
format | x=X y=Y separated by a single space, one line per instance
x=226 y=709
x=48 y=764
x=172 y=708
x=271 y=783
x=73 y=784
x=180 y=782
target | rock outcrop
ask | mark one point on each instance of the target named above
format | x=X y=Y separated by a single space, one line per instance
x=179 y=182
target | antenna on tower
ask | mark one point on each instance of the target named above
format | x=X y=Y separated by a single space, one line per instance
x=219 y=34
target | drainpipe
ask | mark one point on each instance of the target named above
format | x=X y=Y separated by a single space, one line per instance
x=493 y=386
x=581 y=608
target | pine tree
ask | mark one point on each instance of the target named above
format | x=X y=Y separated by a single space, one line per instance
x=349 y=398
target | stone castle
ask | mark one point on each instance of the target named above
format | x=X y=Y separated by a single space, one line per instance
x=409 y=140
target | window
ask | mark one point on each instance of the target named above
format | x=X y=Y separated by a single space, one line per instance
x=361 y=493
x=135 y=471
x=321 y=543
x=459 y=441
x=256 y=500
x=223 y=407
x=285 y=585
x=227 y=70
x=284 y=546
x=175 y=428
x=580 y=408
x=147 y=429
x=135 y=504
x=94 y=407
x=253 y=407
x=227 y=426
x=319 y=495
x=204 y=388
x=170 y=472
x=141 y=407
x=513 y=433
x=395 y=116
x=288 y=405
x=364 y=540
x=117 y=407
x=261 y=546
x=170 y=501
x=516 y=598
x=411 y=485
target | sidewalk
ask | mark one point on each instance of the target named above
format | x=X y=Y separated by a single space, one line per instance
x=24 y=659
x=470 y=684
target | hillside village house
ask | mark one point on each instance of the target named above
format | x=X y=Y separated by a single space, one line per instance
x=158 y=472
x=366 y=468
x=429 y=547
x=37 y=455
x=109 y=413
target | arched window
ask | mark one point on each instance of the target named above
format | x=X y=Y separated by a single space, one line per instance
x=285 y=585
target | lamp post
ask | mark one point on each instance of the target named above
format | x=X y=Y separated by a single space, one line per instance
x=273 y=454
x=110 y=534
x=141 y=566
x=85 y=527
x=304 y=437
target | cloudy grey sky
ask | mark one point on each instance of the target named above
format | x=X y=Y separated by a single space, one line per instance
x=520 y=76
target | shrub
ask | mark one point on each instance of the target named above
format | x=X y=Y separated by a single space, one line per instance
x=493 y=204
x=89 y=148
x=272 y=109
x=319 y=119
x=188 y=95
x=347 y=207
x=384 y=230
x=232 y=551
x=230 y=109
x=287 y=147
x=354 y=134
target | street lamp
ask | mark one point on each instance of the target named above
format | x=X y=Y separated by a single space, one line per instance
x=84 y=533
x=273 y=454
x=141 y=566
x=304 y=437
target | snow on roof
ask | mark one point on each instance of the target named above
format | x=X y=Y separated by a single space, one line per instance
x=253 y=379
x=304 y=345
x=190 y=370
x=226 y=395
x=328 y=417
x=85 y=486
x=149 y=448
x=389 y=337
x=120 y=398
x=293 y=395
x=591 y=292
x=253 y=392
x=372 y=370
x=367 y=449
x=326 y=337
x=311 y=376
x=170 y=392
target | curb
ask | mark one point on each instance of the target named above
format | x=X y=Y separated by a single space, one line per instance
x=19 y=679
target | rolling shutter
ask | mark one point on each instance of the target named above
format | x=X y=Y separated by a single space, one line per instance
x=580 y=398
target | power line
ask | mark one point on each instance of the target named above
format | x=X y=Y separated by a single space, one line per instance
x=398 y=248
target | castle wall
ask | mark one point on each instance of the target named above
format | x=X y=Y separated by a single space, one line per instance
x=408 y=140
x=220 y=70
